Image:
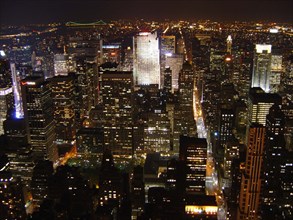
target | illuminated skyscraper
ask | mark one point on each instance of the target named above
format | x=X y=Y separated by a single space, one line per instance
x=116 y=92
x=157 y=132
x=277 y=72
x=251 y=182
x=38 y=113
x=146 y=58
x=62 y=88
x=259 y=104
x=262 y=66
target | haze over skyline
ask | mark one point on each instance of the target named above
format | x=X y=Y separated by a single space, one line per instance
x=44 y=11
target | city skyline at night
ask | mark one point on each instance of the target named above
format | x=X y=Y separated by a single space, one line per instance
x=142 y=110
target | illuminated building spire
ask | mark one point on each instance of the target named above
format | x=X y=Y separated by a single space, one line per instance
x=229 y=44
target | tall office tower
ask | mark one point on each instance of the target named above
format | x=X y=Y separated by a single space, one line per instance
x=85 y=47
x=167 y=48
x=16 y=92
x=259 y=104
x=157 y=132
x=116 y=92
x=19 y=151
x=127 y=63
x=15 y=131
x=86 y=87
x=61 y=64
x=62 y=88
x=42 y=173
x=229 y=44
x=146 y=59
x=242 y=82
x=112 y=53
x=251 y=182
x=262 y=67
x=85 y=56
x=137 y=192
x=276 y=73
x=186 y=92
x=12 y=204
x=217 y=60
x=274 y=154
x=38 y=112
x=194 y=152
x=226 y=125
x=167 y=80
x=175 y=62
x=231 y=152
x=286 y=201
x=6 y=104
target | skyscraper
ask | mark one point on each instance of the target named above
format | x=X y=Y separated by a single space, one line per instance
x=262 y=66
x=61 y=64
x=157 y=132
x=6 y=103
x=259 y=104
x=38 y=112
x=146 y=58
x=116 y=90
x=62 y=88
x=273 y=158
x=251 y=181
x=193 y=151
x=186 y=92
x=174 y=62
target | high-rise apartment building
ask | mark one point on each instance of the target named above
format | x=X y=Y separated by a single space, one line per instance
x=38 y=113
x=146 y=59
x=252 y=177
x=262 y=66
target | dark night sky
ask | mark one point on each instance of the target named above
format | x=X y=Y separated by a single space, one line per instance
x=42 y=11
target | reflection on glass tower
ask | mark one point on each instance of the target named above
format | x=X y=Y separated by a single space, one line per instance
x=17 y=92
